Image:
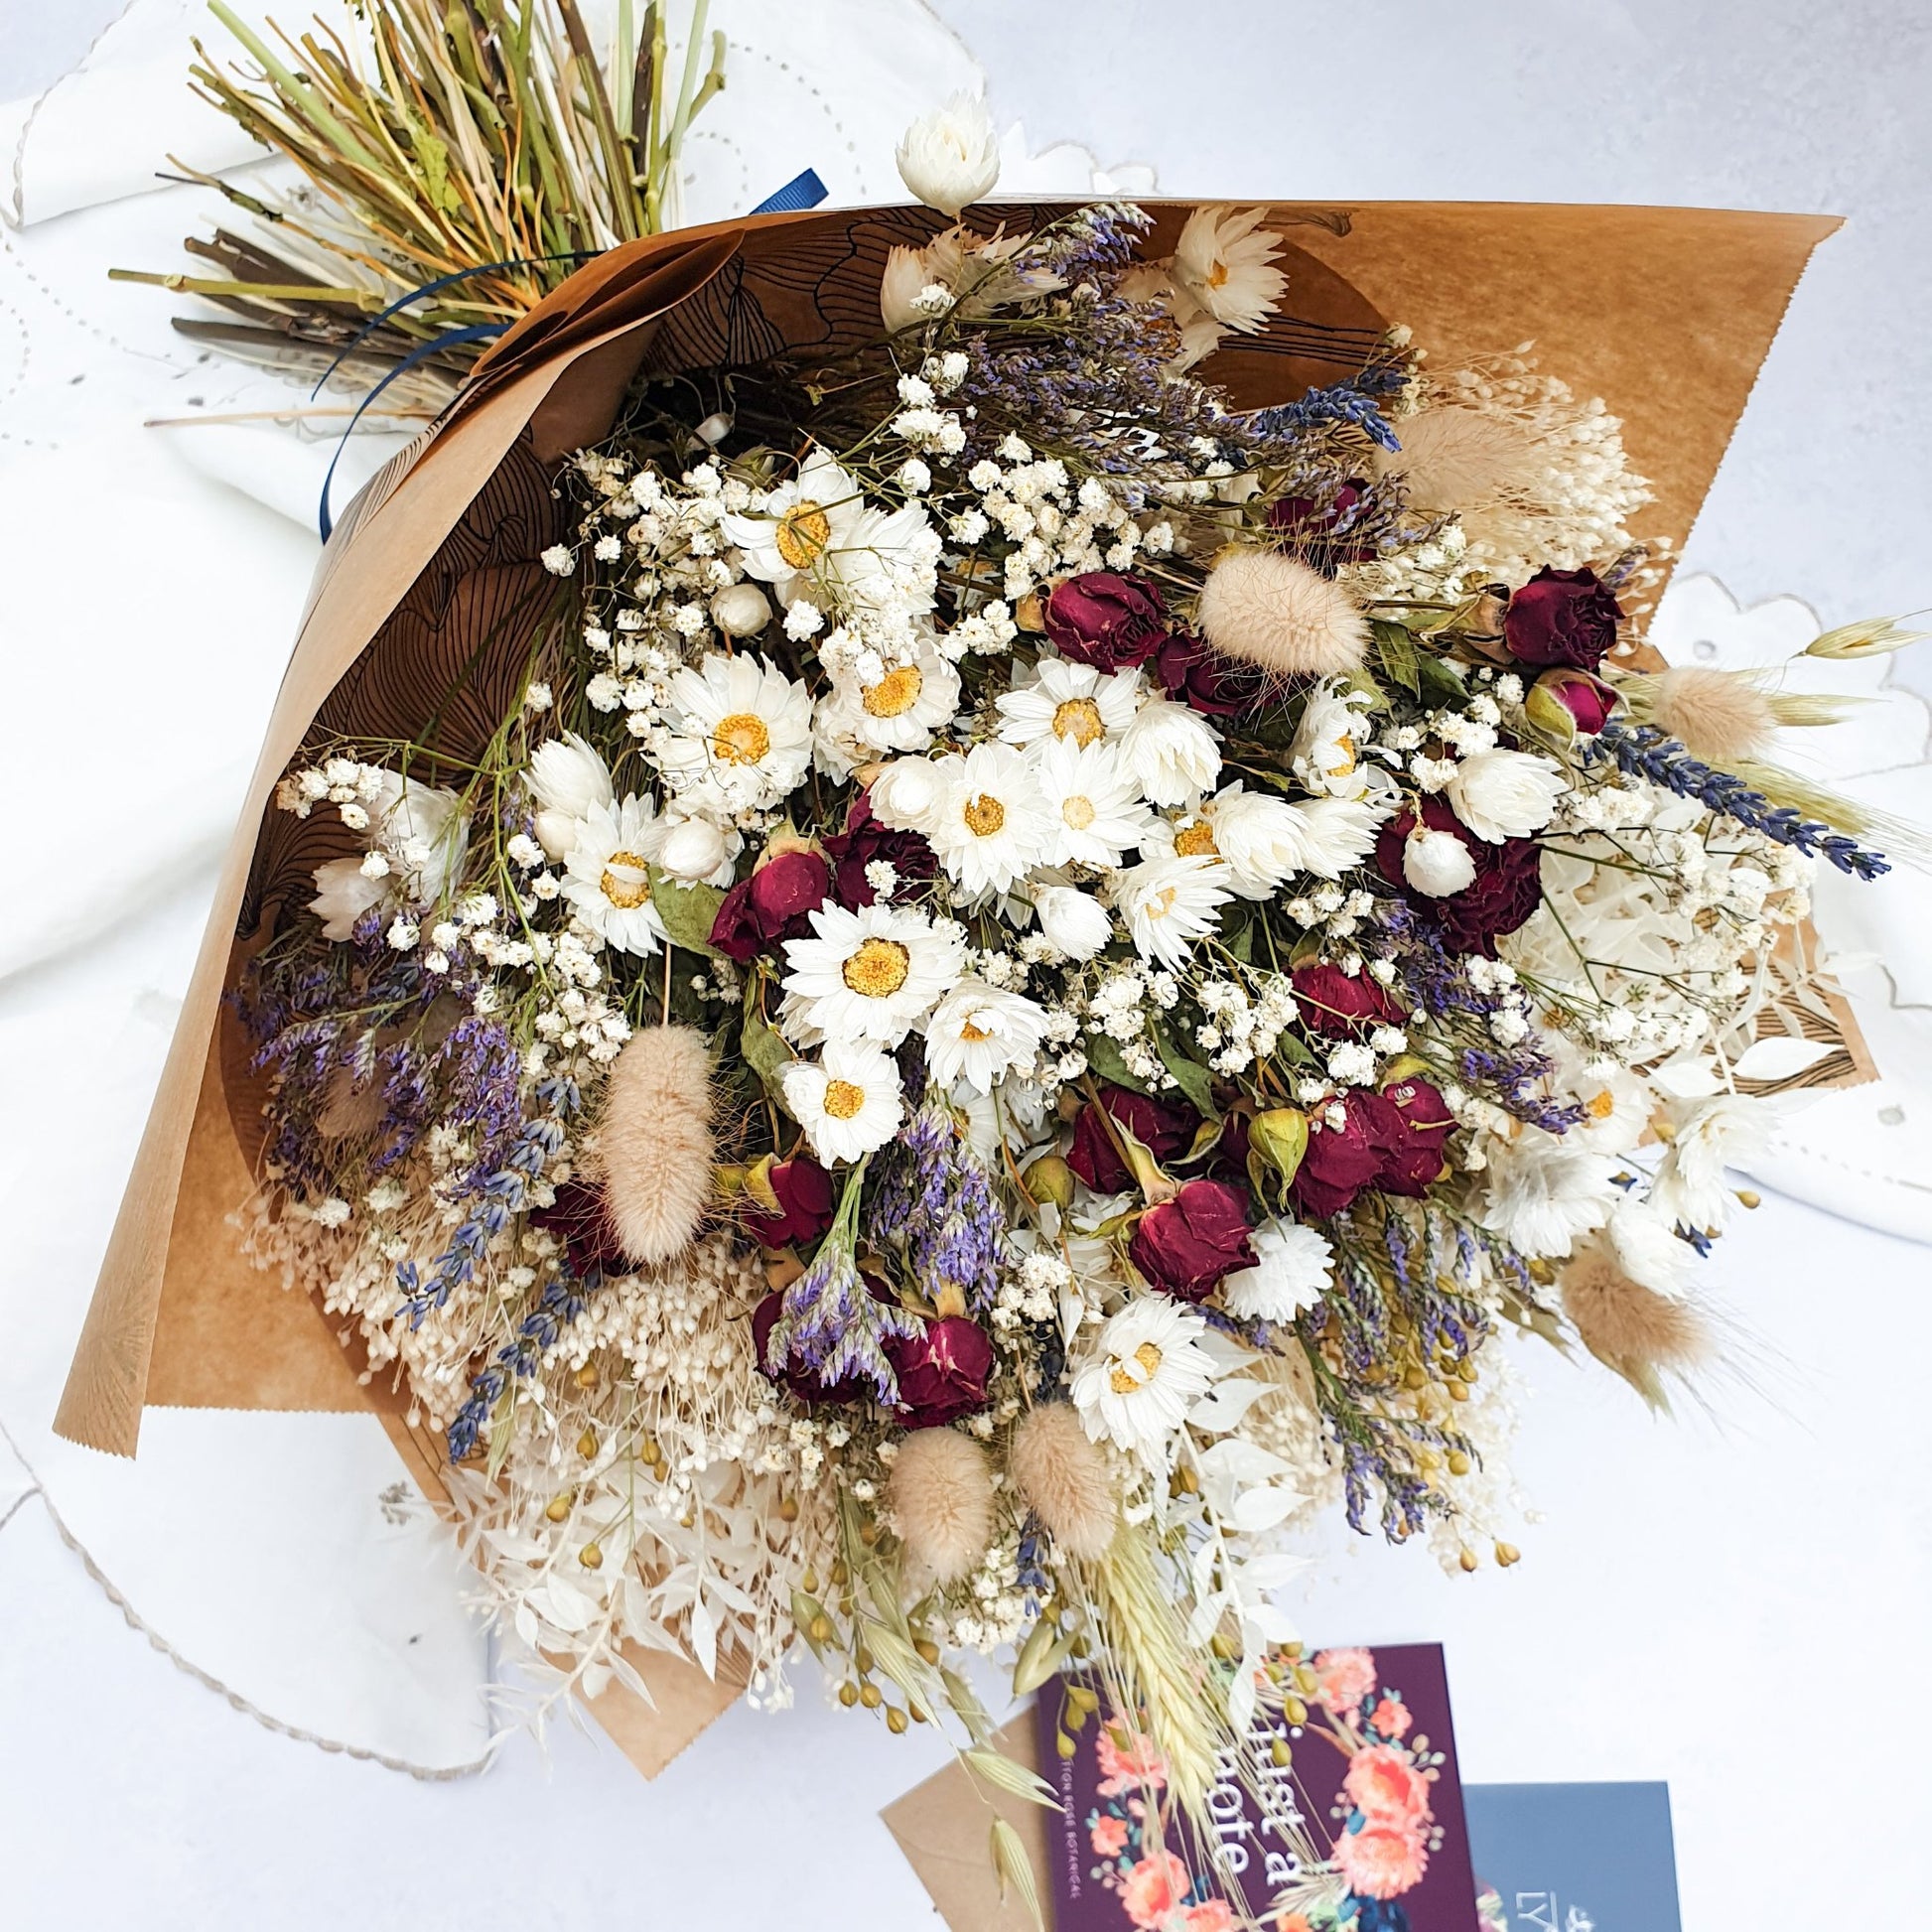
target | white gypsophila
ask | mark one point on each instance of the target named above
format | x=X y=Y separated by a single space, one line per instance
x=416 y=838
x=1436 y=864
x=1173 y=753
x=950 y=157
x=1073 y=922
x=892 y=707
x=569 y=782
x=847 y=1102
x=1294 y=1268
x=1171 y=903
x=873 y=974
x=1067 y=701
x=1096 y=812
x=1326 y=751
x=815 y=536
x=1141 y=1374
x=1222 y=265
x=979 y=1032
x=993 y=824
x=739 y=735
x=607 y=876
x=908 y=794
x=1502 y=795
x=1542 y=1194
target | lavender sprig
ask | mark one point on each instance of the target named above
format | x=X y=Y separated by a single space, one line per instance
x=1643 y=751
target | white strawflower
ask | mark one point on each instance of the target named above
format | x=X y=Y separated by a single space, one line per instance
x=741 y=734
x=1543 y=1193
x=606 y=878
x=1144 y=1370
x=950 y=158
x=993 y=824
x=1171 y=752
x=1325 y=752
x=1688 y=1187
x=1170 y=904
x=1261 y=840
x=1340 y=833
x=1096 y=809
x=1504 y=794
x=1647 y=1248
x=1292 y=1271
x=873 y=974
x=1437 y=863
x=570 y=781
x=847 y=1102
x=422 y=834
x=1221 y=264
x=1067 y=701
x=1073 y=922
x=907 y=793
x=979 y=1032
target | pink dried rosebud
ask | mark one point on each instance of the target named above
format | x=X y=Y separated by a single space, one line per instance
x=1564 y=702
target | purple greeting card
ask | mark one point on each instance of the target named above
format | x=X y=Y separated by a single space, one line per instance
x=1360 y=1830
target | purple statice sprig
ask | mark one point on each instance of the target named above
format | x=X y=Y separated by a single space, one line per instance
x=830 y=1323
x=934 y=1202
x=1643 y=751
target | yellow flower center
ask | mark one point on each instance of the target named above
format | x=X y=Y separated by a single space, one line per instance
x=1079 y=719
x=740 y=739
x=1123 y=1378
x=625 y=880
x=1162 y=903
x=972 y=1033
x=804 y=534
x=878 y=969
x=1197 y=841
x=898 y=691
x=843 y=1099
x=1077 y=812
x=1600 y=1105
x=985 y=816
x=1217 y=275
x=1345 y=759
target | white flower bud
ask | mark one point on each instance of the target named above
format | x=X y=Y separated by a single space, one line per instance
x=1074 y=922
x=694 y=848
x=908 y=794
x=1437 y=863
x=740 y=611
x=951 y=156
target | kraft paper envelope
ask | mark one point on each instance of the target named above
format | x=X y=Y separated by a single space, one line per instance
x=1665 y=312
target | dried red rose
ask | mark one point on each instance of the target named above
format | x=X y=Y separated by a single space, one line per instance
x=1561 y=617
x=1163 y=1127
x=1506 y=889
x=774 y=905
x=1105 y=620
x=805 y=1204
x=942 y=1370
x=1184 y=1246
x=1334 y=1003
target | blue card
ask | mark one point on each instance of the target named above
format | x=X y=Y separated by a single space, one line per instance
x=1574 y=1857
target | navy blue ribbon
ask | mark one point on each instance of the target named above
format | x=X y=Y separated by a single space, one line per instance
x=802 y=191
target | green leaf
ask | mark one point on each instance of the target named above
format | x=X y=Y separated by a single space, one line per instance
x=1103 y=1055
x=1396 y=651
x=688 y=911
x=1010 y=1861
x=764 y=1052
x=1441 y=683
x=1242 y=945
x=1190 y=1076
x=1001 y=1772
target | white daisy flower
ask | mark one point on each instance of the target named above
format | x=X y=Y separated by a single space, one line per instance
x=979 y=1032
x=817 y=537
x=1095 y=808
x=1172 y=751
x=606 y=877
x=873 y=975
x=1293 y=1271
x=848 y=1101
x=1169 y=903
x=1221 y=263
x=739 y=736
x=569 y=782
x=1145 y=1369
x=1069 y=702
x=1324 y=754
x=993 y=825
x=898 y=710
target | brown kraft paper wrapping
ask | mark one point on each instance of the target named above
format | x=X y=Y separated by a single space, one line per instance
x=1665 y=312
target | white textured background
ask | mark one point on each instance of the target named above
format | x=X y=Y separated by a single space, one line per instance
x=1735 y=1604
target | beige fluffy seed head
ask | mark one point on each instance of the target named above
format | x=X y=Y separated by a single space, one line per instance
x=1064 y=1477
x=1716 y=715
x=1269 y=609
x=1628 y=1327
x=654 y=1142
x=1460 y=459
x=941 y=1496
